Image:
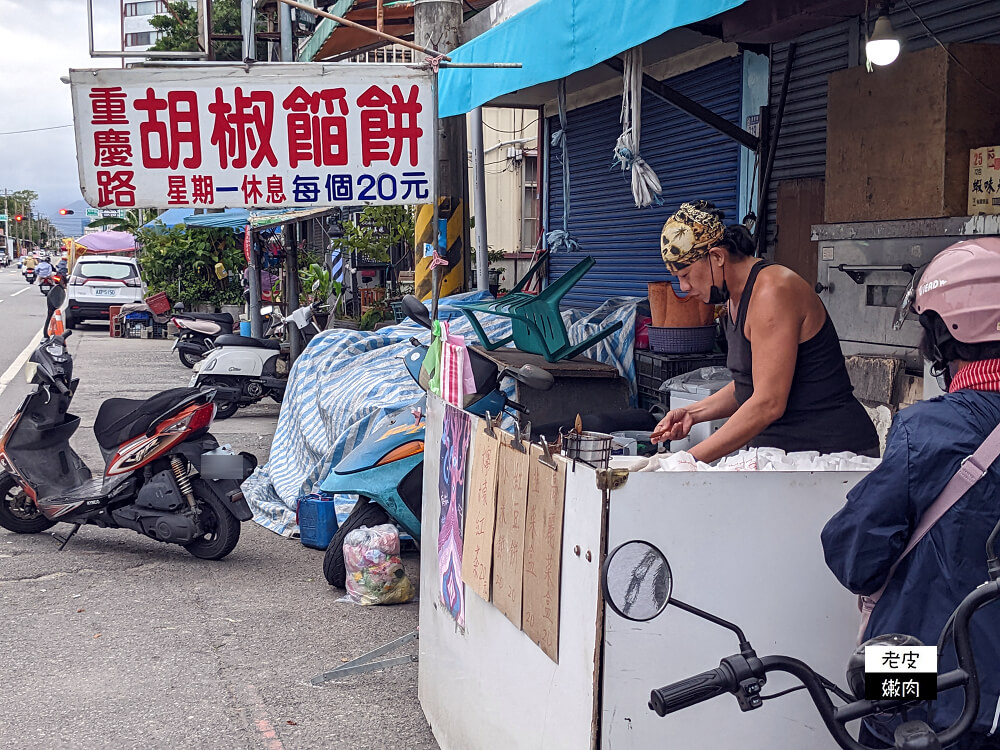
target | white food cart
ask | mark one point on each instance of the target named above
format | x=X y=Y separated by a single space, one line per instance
x=742 y=545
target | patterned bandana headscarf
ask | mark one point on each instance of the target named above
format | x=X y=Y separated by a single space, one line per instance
x=688 y=235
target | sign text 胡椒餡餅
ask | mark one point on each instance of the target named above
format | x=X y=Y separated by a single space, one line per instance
x=266 y=137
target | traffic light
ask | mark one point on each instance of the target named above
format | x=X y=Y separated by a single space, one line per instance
x=18 y=217
x=65 y=211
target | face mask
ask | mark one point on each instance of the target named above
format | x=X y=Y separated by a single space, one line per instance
x=718 y=296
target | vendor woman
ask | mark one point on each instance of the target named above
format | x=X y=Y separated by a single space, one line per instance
x=790 y=386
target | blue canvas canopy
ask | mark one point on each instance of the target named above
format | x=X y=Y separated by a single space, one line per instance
x=554 y=38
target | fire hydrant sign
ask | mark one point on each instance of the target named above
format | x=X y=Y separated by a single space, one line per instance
x=267 y=136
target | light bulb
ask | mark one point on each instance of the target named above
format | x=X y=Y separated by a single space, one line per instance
x=883 y=46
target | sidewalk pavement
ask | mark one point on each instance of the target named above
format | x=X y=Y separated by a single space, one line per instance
x=123 y=642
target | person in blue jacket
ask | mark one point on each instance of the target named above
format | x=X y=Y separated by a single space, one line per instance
x=958 y=302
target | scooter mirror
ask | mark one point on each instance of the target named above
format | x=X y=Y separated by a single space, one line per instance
x=636 y=581
x=416 y=311
x=56 y=297
x=534 y=377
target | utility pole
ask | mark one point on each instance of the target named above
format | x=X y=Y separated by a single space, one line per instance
x=253 y=270
x=436 y=24
x=291 y=246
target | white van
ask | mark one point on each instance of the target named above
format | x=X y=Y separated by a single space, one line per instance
x=100 y=281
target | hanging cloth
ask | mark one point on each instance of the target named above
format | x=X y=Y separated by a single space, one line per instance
x=646 y=188
x=560 y=239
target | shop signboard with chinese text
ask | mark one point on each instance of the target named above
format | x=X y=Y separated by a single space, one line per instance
x=268 y=136
x=984 y=180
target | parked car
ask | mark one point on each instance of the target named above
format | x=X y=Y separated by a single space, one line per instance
x=97 y=283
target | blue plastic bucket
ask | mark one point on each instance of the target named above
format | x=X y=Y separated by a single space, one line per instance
x=317 y=520
x=244 y=328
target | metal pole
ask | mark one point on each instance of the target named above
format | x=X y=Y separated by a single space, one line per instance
x=292 y=289
x=253 y=271
x=479 y=191
x=246 y=27
x=285 y=29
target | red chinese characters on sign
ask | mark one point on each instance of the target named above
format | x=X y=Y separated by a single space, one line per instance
x=162 y=141
x=112 y=148
x=389 y=124
x=242 y=130
x=314 y=137
x=115 y=188
x=108 y=106
x=202 y=189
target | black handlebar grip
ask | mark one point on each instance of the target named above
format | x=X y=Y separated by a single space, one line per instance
x=701 y=687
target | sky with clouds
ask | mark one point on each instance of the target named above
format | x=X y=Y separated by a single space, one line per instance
x=40 y=40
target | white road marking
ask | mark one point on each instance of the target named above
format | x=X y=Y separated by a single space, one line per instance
x=18 y=363
x=21 y=292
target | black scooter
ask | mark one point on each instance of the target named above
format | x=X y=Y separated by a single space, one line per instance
x=165 y=475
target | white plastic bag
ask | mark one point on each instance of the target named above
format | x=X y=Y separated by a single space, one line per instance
x=375 y=572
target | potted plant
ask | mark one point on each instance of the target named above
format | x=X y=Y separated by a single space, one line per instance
x=320 y=284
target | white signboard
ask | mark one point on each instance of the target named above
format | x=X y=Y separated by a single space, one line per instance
x=268 y=136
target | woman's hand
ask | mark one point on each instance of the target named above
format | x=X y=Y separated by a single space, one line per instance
x=675 y=426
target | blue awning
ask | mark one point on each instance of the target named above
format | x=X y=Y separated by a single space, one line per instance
x=231 y=218
x=554 y=38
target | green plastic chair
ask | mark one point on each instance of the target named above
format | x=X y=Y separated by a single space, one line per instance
x=536 y=325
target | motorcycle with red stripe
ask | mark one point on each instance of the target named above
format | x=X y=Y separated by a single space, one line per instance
x=165 y=476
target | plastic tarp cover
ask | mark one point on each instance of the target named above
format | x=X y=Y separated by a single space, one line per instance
x=107 y=242
x=554 y=38
x=347 y=382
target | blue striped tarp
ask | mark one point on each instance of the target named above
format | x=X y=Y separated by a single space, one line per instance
x=347 y=382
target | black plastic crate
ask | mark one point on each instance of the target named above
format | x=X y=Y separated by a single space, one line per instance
x=651 y=369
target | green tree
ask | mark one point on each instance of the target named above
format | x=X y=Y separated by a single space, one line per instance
x=378 y=229
x=179 y=29
x=181 y=261
x=132 y=223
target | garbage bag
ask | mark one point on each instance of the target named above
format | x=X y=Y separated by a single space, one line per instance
x=375 y=572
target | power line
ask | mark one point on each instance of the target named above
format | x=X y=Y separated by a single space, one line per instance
x=517 y=130
x=35 y=130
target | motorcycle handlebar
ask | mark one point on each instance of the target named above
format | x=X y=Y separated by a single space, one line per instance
x=697 y=689
x=722 y=679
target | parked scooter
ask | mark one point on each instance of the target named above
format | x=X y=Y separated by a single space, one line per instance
x=386 y=470
x=637 y=584
x=165 y=475
x=197 y=332
x=246 y=370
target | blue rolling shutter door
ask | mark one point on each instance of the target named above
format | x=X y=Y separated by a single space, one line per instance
x=691 y=160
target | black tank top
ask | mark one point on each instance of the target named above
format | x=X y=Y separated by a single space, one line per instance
x=822 y=413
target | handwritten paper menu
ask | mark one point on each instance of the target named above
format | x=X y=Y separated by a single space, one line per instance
x=508 y=543
x=480 y=511
x=543 y=553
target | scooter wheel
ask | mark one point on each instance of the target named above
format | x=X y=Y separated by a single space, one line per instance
x=222 y=529
x=365 y=513
x=223 y=409
x=17 y=517
x=187 y=359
